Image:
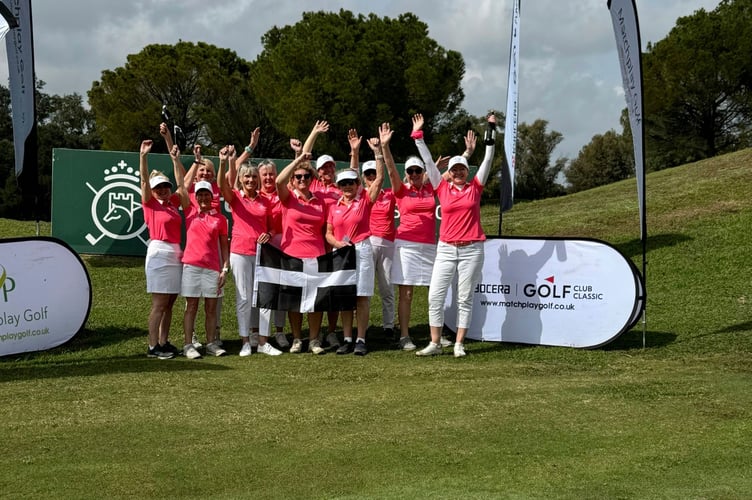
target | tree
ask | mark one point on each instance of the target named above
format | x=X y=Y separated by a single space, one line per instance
x=697 y=85
x=535 y=177
x=204 y=87
x=607 y=158
x=62 y=122
x=356 y=72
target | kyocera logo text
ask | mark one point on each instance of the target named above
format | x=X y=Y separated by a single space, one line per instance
x=547 y=289
x=7 y=284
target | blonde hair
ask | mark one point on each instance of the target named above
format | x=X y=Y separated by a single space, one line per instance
x=246 y=168
x=155 y=173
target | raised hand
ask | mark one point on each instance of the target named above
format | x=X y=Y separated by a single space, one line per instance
x=146 y=146
x=353 y=139
x=417 y=122
x=385 y=133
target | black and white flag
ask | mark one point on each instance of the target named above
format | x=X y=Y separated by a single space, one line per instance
x=324 y=283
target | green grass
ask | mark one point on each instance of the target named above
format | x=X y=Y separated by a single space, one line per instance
x=96 y=419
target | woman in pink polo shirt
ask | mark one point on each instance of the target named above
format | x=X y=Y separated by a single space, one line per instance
x=304 y=225
x=415 y=241
x=205 y=262
x=460 y=248
x=163 y=266
x=349 y=224
x=251 y=216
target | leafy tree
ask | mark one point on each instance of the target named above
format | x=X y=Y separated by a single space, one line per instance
x=607 y=158
x=697 y=86
x=62 y=122
x=204 y=87
x=356 y=72
x=535 y=176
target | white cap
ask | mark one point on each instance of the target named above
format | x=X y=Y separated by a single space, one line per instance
x=159 y=179
x=323 y=160
x=347 y=174
x=369 y=165
x=414 y=162
x=202 y=185
x=458 y=160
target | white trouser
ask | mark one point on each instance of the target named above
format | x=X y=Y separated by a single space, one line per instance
x=383 y=253
x=243 y=272
x=467 y=263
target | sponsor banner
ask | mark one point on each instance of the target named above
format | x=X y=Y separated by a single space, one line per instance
x=45 y=293
x=511 y=116
x=559 y=292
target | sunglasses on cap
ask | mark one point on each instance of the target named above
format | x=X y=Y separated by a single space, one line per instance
x=300 y=177
x=346 y=182
x=413 y=171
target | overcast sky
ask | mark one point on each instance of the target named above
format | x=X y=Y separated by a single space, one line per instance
x=569 y=71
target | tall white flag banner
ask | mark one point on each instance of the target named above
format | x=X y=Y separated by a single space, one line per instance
x=627 y=33
x=19 y=46
x=510 y=125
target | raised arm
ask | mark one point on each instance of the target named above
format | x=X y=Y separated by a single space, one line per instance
x=354 y=140
x=179 y=172
x=470 y=140
x=296 y=146
x=143 y=164
x=248 y=150
x=434 y=176
x=164 y=131
x=485 y=166
x=225 y=186
x=321 y=127
x=197 y=160
x=283 y=179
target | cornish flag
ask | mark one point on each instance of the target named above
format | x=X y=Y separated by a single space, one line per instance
x=324 y=283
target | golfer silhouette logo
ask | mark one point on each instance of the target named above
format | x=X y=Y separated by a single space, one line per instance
x=115 y=206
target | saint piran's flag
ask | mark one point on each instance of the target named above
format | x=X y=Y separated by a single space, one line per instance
x=511 y=116
x=286 y=283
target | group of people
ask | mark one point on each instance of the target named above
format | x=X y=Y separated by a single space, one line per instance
x=306 y=212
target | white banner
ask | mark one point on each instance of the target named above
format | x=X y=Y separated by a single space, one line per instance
x=627 y=33
x=45 y=294
x=511 y=116
x=571 y=293
x=20 y=49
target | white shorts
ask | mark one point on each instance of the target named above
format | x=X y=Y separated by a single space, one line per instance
x=364 y=269
x=200 y=282
x=163 y=267
x=412 y=263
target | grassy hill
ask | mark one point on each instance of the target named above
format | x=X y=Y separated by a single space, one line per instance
x=95 y=418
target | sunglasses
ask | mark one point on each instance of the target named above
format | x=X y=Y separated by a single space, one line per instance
x=414 y=171
x=369 y=173
x=300 y=177
x=346 y=182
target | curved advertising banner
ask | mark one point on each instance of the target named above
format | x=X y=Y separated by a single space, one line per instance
x=558 y=292
x=45 y=294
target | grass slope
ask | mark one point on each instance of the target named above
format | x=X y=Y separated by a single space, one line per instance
x=95 y=418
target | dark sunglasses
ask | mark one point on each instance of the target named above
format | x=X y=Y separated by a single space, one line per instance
x=369 y=173
x=413 y=171
x=300 y=177
x=346 y=182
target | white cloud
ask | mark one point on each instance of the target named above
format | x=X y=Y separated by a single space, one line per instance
x=569 y=69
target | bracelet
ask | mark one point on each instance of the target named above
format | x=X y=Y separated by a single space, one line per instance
x=248 y=150
x=379 y=157
x=224 y=269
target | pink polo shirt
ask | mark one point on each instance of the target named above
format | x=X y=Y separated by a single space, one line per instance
x=417 y=213
x=460 y=212
x=351 y=220
x=250 y=218
x=203 y=231
x=163 y=219
x=382 y=215
x=276 y=207
x=303 y=225
x=330 y=193
x=216 y=195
